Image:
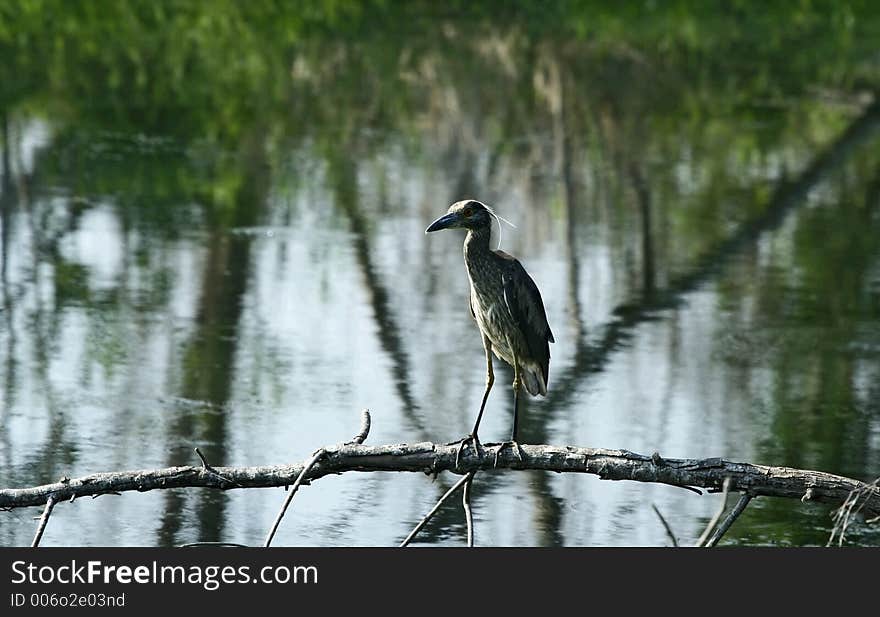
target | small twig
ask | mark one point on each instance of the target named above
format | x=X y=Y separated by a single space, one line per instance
x=717 y=517
x=44 y=519
x=861 y=491
x=843 y=514
x=847 y=508
x=837 y=516
x=365 y=430
x=433 y=511
x=213 y=471
x=202 y=458
x=692 y=489
x=299 y=480
x=666 y=525
x=744 y=500
x=466 y=502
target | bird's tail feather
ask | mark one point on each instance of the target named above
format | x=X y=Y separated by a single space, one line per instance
x=533 y=380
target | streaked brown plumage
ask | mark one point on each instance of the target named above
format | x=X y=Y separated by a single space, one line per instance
x=506 y=304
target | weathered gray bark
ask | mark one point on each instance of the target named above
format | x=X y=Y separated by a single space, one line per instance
x=754 y=480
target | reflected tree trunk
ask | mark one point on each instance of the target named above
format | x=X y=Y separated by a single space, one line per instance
x=7 y=202
x=643 y=197
x=209 y=357
x=343 y=172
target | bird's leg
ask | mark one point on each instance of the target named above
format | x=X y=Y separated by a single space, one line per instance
x=516 y=386
x=490 y=379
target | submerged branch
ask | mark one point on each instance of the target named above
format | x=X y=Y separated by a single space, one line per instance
x=431 y=458
x=738 y=509
x=666 y=526
x=44 y=520
x=464 y=481
x=725 y=487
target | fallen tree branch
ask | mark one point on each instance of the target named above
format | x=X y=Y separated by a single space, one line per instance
x=431 y=458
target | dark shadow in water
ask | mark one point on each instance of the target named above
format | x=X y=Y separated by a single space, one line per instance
x=643 y=197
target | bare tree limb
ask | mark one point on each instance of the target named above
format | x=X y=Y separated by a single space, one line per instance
x=757 y=480
x=365 y=429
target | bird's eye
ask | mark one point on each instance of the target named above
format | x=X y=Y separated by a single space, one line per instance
x=468 y=212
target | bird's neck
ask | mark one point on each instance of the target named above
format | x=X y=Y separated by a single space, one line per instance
x=476 y=242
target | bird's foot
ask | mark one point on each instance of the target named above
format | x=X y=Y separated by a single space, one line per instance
x=461 y=444
x=508 y=444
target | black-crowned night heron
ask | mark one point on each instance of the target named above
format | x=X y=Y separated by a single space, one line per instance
x=506 y=304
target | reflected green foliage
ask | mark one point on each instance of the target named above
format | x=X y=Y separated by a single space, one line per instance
x=212 y=69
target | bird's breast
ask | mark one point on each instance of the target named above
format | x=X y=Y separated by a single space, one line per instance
x=494 y=321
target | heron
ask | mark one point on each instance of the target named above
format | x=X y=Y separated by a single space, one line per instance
x=507 y=306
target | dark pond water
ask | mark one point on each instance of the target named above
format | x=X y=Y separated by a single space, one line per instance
x=231 y=256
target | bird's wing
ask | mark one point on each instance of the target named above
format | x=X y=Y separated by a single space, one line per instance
x=526 y=306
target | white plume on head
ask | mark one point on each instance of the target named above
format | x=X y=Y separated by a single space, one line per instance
x=500 y=219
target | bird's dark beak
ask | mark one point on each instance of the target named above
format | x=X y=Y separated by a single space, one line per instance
x=444 y=222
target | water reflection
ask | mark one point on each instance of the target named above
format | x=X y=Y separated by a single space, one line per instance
x=247 y=286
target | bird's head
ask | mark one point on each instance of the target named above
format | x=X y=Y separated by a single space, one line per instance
x=464 y=214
